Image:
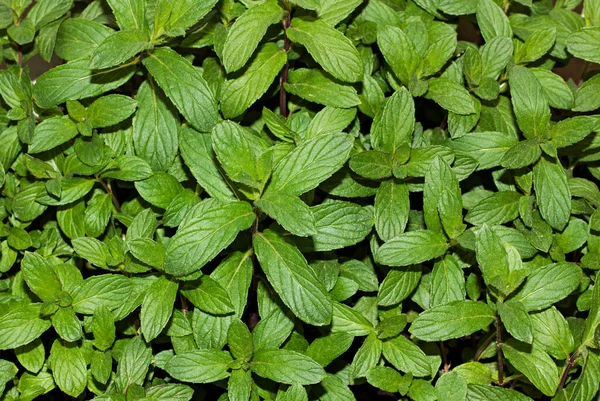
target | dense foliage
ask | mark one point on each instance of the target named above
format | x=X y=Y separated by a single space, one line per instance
x=299 y=200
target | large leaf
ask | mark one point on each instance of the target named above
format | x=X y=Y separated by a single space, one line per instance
x=155 y=127
x=288 y=367
x=292 y=278
x=309 y=164
x=240 y=93
x=411 y=248
x=200 y=366
x=246 y=32
x=76 y=80
x=206 y=230
x=329 y=47
x=185 y=86
x=452 y=320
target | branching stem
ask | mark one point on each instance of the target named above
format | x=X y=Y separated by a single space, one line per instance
x=284 y=72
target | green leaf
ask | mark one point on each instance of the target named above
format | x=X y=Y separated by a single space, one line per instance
x=66 y=324
x=406 y=356
x=367 y=356
x=92 y=250
x=536 y=45
x=159 y=190
x=110 y=110
x=551 y=333
x=442 y=201
x=447 y=282
x=247 y=31
x=328 y=120
x=69 y=368
x=130 y=14
x=453 y=320
x=480 y=392
x=571 y=130
x=329 y=47
x=451 y=386
x=207 y=229
x=326 y=349
x=157 y=307
x=19 y=239
x=392 y=207
x=155 y=127
x=555 y=88
x=21 y=325
x=118 y=48
x=185 y=13
x=31 y=356
x=133 y=363
x=196 y=150
x=318 y=87
x=492 y=21
x=288 y=367
x=398 y=285
x=103 y=328
x=451 y=96
x=552 y=192
x=76 y=80
x=110 y=290
x=78 y=38
x=46 y=11
x=548 y=285
x=240 y=93
x=199 y=366
x=147 y=251
x=499 y=208
x=488 y=148
x=309 y=164
x=239 y=340
x=51 y=133
x=209 y=296
x=184 y=86
x=522 y=154
x=584 y=44
x=423 y=245
x=384 y=378
x=289 y=211
x=239 y=152
x=372 y=164
x=535 y=364
x=334 y=11
x=399 y=52
x=339 y=224
x=166 y=392
x=131 y=168
x=394 y=123
x=516 y=320
x=290 y=276
x=239 y=385
x=529 y=102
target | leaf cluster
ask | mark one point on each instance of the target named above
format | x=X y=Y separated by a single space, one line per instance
x=299 y=200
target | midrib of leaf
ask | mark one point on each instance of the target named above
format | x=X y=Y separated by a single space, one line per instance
x=212 y=232
x=558 y=340
x=237 y=269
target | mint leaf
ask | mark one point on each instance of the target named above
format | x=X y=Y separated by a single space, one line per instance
x=290 y=275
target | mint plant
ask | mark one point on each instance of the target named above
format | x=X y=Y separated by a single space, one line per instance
x=300 y=200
